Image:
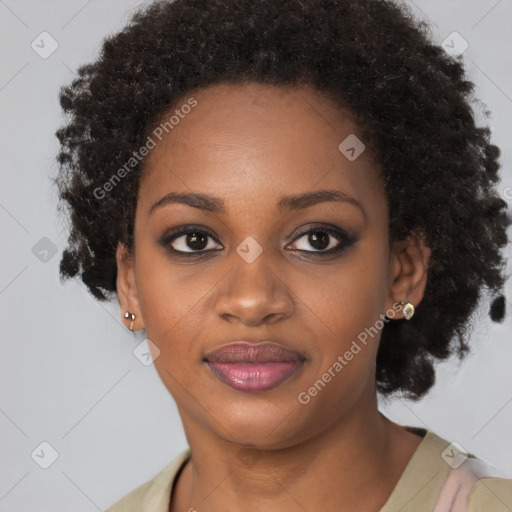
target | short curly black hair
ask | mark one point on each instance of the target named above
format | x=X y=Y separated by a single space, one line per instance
x=413 y=106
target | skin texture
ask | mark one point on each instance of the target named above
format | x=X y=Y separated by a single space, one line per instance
x=249 y=144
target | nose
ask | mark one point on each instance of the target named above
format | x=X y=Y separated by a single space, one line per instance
x=254 y=294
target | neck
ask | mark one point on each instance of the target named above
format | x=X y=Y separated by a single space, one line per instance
x=360 y=452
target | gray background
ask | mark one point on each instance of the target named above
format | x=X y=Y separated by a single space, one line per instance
x=68 y=375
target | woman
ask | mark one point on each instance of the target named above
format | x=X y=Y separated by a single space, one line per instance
x=293 y=201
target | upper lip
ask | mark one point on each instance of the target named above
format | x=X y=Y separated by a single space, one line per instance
x=262 y=352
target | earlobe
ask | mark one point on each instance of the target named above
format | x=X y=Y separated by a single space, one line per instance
x=408 y=271
x=127 y=290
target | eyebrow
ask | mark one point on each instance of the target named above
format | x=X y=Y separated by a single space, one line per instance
x=286 y=203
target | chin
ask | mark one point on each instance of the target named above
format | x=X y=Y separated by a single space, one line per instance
x=263 y=424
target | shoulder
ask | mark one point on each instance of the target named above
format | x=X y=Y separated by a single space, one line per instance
x=472 y=484
x=491 y=495
x=441 y=476
x=154 y=494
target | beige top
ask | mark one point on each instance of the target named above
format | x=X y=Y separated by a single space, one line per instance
x=438 y=478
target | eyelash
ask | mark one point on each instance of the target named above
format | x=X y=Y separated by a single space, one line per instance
x=345 y=240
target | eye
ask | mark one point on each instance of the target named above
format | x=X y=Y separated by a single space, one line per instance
x=196 y=241
x=323 y=240
x=190 y=239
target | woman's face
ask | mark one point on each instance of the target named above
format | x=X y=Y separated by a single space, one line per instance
x=266 y=263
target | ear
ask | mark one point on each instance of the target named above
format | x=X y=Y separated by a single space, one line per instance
x=126 y=288
x=408 y=267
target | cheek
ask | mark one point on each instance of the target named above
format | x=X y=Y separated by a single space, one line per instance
x=174 y=325
x=349 y=306
x=170 y=305
x=346 y=340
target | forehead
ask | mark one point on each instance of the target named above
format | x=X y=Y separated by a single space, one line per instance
x=252 y=142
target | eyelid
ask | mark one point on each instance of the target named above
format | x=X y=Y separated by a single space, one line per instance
x=328 y=228
x=188 y=228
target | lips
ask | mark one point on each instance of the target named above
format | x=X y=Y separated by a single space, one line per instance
x=254 y=368
x=244 y=352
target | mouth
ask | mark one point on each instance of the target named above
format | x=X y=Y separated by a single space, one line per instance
x=254 y=368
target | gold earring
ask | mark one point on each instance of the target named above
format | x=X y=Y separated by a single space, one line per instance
x=132 y=317
x=408 y=309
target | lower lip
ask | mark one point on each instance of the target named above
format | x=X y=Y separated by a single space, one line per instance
x=254 y=377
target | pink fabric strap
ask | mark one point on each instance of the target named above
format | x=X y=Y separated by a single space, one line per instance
x=458 y=484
